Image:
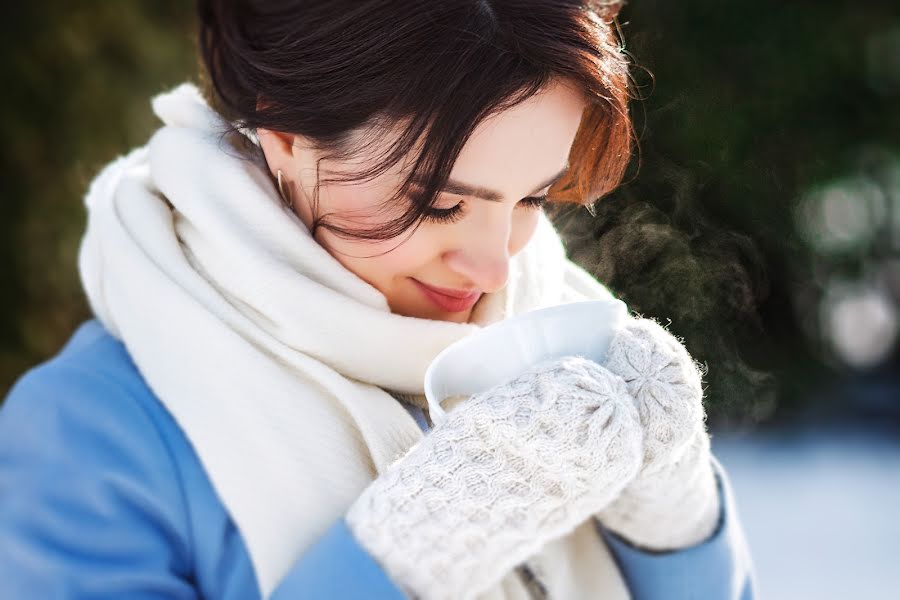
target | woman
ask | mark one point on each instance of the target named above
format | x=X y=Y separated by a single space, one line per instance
x=271 y=274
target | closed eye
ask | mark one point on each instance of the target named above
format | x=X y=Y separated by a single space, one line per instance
x=455 y=213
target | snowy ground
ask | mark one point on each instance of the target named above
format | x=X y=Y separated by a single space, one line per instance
x=821 y=510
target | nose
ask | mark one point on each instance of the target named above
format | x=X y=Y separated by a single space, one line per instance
x=482 y=257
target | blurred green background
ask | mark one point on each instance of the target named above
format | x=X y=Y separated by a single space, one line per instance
x=761 y=213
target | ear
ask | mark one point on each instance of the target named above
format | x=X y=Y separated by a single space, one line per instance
x=278 y=147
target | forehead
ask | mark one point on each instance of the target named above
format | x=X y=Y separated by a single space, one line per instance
x=525 y=143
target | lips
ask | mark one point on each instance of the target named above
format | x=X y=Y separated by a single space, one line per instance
x=449 y=300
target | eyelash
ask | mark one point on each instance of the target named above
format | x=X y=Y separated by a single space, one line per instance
x=452 y=215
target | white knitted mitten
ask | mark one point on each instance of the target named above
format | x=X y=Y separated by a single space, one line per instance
x=673 y=503
x=510 y=468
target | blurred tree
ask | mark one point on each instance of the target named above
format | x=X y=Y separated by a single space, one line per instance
x=747 y=106
x=80 y=74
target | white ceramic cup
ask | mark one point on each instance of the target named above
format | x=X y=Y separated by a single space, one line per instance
x=503 y=350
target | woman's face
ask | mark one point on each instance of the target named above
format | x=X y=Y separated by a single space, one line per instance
x=513 y=155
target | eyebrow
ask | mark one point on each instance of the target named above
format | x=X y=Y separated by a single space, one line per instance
x=462 y=189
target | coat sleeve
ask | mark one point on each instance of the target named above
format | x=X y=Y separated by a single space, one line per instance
x=84 y=511
x=92 y=507
x=718 y=568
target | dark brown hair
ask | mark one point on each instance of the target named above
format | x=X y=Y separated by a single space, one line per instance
x=325 y=69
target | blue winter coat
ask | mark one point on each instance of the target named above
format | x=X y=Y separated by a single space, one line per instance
x=102 y=496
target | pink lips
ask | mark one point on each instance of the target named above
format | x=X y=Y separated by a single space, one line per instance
x=445 y=301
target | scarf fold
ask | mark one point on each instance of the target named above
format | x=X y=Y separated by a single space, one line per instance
x=281 y=366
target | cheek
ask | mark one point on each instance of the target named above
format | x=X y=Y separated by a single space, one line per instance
x=358 y=206
x=353 y=205
x=403 y=261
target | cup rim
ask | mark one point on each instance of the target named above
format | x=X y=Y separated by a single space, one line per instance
x=436 y=411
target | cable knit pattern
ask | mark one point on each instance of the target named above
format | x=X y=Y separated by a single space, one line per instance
x=673 y=503
x=510 y=469
x=673 y=508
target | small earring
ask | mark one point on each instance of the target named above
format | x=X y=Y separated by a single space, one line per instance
x=591 y=209
x=288 y=204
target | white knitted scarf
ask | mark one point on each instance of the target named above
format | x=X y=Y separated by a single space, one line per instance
x=281 y=366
